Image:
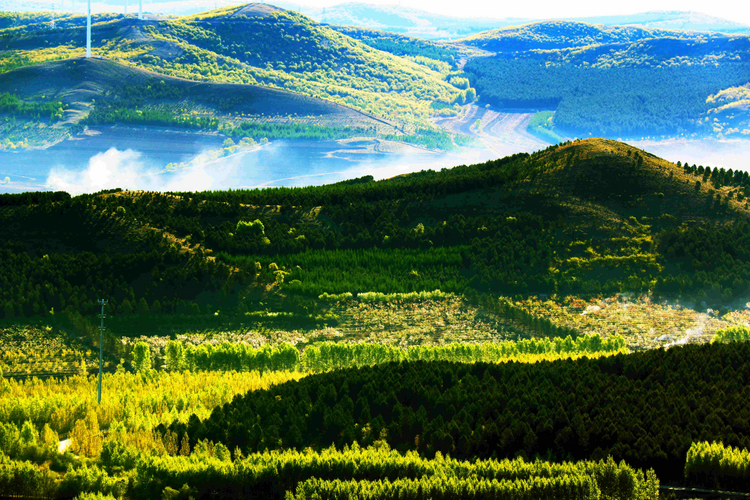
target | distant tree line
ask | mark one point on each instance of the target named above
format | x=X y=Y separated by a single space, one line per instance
x=11 y=104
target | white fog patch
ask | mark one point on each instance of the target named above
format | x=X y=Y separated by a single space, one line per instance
x=722 y=153
x=690 y=335
x=381 y=168
x=128 y=170
x=591 y=309
x=108 y=170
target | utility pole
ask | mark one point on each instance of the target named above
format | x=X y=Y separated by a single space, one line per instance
x=101 y=346
x=140 y=10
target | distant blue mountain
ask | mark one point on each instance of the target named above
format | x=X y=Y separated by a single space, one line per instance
x=403 y=20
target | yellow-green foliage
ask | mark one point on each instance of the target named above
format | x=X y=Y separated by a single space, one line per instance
x=28 y=350
x=358 y=470
x=411 y=296
x=732 y=334
x=335 y=297
x=439 y=488
x=12 y=59
x=330 y=355
x=140 y=402
x=713 y=463
x=282 y=49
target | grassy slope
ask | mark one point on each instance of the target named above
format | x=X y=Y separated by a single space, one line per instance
x=254 y=44
x=78 y=82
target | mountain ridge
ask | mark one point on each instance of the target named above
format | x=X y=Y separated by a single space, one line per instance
x=590 y=216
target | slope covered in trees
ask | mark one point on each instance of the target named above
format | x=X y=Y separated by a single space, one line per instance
x=402 y=45
x=617 y=82
x=548 y=35
x=101 y=91
x=587 y=217
x=645 y=408
x=251 y=44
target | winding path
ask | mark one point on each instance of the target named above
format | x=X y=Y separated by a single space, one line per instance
x=502 y=131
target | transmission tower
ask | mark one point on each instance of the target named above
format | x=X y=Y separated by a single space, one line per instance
x=101 y=347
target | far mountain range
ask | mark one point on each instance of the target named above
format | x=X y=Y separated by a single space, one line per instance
x=394 y=18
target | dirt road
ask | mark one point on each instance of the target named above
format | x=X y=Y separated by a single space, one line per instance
x=501 y=131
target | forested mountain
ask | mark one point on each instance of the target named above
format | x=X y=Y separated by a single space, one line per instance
x=617 y=82
x=403 y=20
x=662 y=80
x=97 y=91
x=427 y=25
x=671 y=20
x=402 y=45
x=585 y=217
x=547 y=35
x=250 y=44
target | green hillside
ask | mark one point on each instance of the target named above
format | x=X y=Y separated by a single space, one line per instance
x=546 y=35
x=438 y=401
x=589 y=217
x=80 y=92
x=614 y=82
x=402 y=45
x=25 y=22
x=326 y=341
x=426 y=25
x=251 y=44
x=403 y=20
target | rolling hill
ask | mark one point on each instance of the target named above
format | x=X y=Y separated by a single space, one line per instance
x=404 y=20
x=90 y=85
x=546 y=35
x=588 y=217
x=662 y=79
x=428 y=25
x=251 y=44
x=616 y=82
x=672 y=20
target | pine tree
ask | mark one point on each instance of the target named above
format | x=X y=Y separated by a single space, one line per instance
x=141 y=358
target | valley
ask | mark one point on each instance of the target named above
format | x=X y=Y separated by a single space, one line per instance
x=359 y=85
x=501 y=132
